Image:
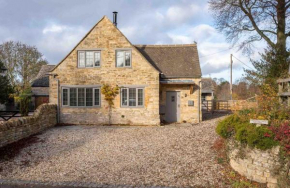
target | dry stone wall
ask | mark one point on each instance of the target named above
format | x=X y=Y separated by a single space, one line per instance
x=258 y=165
x=45 y=116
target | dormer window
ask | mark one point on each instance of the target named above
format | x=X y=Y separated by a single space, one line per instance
x=89 y=59
x=123 y=58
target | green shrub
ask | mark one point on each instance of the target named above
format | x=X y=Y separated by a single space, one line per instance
x=261 y=138
x=226 y=128
x=244 y=132
x=24 y=100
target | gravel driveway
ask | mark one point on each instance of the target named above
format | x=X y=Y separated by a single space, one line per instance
x=178 y=156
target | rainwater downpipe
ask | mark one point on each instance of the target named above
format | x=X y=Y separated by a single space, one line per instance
x=199 y=93
x=58 y=109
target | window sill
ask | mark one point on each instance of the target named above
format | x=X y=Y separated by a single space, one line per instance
x=88 y=67
x=132 y=106
x=81 y=107
x=125 y=67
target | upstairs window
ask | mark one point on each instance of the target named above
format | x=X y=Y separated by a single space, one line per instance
x=89 y=59
x=123 y=58
x=132 y=97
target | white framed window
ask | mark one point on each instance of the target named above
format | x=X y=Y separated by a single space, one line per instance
x=132 y=97
x=89 y=59
x=65 y=96
x=81 y=97
x=123 y=58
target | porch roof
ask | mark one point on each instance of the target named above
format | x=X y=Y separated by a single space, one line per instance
x=188 y=82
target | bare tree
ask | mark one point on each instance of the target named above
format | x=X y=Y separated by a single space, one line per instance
x=249 y=21
x=22 y=61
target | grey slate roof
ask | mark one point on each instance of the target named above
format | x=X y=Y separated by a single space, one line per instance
x=174 y=61
x=42 y=79
x=207 y=85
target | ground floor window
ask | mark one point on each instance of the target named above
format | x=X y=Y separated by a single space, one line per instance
x=132 y=97
x=81 y=96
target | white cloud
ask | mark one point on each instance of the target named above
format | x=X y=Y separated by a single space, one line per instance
x=180 y=39
x=59 y=40
x=179 y=14
x=54 y=28
x=129 y=32
x=203 y=32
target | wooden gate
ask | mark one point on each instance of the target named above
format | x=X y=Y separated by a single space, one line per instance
x=215 y=106
x=40 y=100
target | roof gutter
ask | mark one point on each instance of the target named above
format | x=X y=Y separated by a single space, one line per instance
x=199 y=95
x=168 y=77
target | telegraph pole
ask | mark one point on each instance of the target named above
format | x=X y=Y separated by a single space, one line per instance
x=231 y=86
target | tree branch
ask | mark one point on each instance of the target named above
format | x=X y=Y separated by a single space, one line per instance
x=249 y=15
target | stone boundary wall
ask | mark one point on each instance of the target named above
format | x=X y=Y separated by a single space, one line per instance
x=257 y=165
x=237 y=105
x=16 y=129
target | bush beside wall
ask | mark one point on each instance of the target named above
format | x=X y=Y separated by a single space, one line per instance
x=45 y=116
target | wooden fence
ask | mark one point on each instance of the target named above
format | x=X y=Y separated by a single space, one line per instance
x=224 y=105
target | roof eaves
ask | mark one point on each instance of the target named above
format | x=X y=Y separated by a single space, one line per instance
x=164 y=45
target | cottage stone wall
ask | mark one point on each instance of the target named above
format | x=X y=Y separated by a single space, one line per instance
x=107 y=38
x=45 y=116
x=255 y=164
x=187 y=113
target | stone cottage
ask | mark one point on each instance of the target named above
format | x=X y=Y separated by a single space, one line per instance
x=158 y=83
x=40 y=86
x=207 y=92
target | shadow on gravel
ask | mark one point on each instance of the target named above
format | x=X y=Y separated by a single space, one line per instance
x=10 y=151
x=210 y=116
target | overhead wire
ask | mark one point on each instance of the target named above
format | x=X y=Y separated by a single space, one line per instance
x=242 y=62
x=218 y=52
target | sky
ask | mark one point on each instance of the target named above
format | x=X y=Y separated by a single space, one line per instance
x=56 y=26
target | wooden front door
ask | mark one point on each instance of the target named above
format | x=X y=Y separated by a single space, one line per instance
x=172 y=113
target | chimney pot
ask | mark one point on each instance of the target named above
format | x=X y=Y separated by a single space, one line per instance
x=115 y=18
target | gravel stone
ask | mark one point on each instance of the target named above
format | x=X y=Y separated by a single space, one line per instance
x=176 y=156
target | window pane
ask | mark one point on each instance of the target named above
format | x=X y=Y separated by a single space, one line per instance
x=89 y=97
x=97 y=97
x=128 y=59
x=124 y=97
x=120 y=59
x=132 y=97
x=97 y=59
x=81 y=59
x=81 y=96
x=89 y=59
x=65 y=97
x=73 y=96
x=140 y=97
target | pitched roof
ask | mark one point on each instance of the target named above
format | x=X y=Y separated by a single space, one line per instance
x=42 y=79
x=174 y=61
x=207 y=85
x=104 y=17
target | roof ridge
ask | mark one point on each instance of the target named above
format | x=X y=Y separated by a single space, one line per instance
x=164 y=45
